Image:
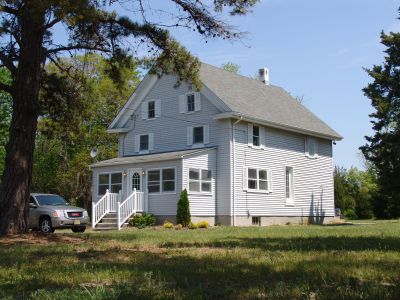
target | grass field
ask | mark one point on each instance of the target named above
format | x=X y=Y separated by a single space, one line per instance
x=287 y=262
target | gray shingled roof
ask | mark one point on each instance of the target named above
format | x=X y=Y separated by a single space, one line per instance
x=253 y=98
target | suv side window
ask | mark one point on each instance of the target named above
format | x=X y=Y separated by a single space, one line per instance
x=32 y=200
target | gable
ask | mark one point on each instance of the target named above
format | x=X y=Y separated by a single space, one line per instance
x=152 y=87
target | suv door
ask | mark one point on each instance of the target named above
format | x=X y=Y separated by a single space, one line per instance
x=33 y=213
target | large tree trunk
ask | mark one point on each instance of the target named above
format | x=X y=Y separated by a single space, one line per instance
x=14 y=193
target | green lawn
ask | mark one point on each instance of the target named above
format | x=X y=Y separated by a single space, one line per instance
x=287 y=262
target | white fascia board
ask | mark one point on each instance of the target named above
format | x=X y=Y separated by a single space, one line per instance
x=134 y=100
x=239 y=116
x=118 y=130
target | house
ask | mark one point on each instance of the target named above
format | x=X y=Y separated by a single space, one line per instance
x=247 y=152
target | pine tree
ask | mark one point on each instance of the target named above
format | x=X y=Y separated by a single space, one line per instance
x=183 y=211
x=383 y=148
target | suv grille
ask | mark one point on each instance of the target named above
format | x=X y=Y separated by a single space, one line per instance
x=74 y=214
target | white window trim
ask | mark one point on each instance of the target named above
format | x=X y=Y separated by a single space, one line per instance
x=316 y=147
x=184 y=98
x=157 y=109
x=269 y=173
x=261 y=136
x=200 y=182
x=161 y=192
x=109 y=181
x=190 y=136
x=290 y=201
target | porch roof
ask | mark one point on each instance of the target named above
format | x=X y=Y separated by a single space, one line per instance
x=148 y=158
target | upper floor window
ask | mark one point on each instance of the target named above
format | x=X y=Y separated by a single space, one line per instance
x=198 y=135
x=257 y=179
x=151 y=111
x=189 y=102
x=144 y=142
x=311 y=146
x=256 y=135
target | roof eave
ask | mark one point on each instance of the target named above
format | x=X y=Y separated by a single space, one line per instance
x=240 y=116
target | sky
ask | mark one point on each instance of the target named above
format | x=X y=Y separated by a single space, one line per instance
x=314 y=49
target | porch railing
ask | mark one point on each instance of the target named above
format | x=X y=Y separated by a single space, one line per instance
x=133 y=204
x=106 y=204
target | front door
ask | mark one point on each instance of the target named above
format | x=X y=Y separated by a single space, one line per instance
x=134 y=180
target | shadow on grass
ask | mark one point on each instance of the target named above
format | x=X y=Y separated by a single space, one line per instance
x=298 y=243
x=196 y=274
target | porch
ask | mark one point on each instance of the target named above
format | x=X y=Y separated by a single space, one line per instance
x=115 y=210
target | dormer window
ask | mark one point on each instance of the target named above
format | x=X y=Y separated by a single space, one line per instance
x=190 y=102
x=151 y=110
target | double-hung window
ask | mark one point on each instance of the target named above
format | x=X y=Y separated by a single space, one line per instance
x=311 y=147
x=200 y=180
x=190 y=104
x=198 y=135
x=109 y=181
x=289 y=186
x=257 y=179
x=151 y=109
x=256 y=136
x=144 y=142
x=161 y=180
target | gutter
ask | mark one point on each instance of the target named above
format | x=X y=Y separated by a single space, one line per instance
x=237 y=115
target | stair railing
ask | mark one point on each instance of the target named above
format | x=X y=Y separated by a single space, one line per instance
x=102 y=207
x=130 y=206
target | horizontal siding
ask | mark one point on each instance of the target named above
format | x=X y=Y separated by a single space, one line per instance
x=201 y=204
x=159 y=204
x=313 y=178
x=170 y=128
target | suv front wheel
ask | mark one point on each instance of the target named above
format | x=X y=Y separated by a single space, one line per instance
x=45 y=225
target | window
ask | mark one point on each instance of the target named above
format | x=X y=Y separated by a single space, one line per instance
x=190 y=103
x=289 y=185
x=256 y=135
x=162 y=180
x=168 y=180
x=153 y=181
x=109 y=181
x=136 y=181
x=257 y=179
x=151 y=110
x=200 y=180
x=198 y=135
x=144 y=142
x=255 y=221
x=311 y=147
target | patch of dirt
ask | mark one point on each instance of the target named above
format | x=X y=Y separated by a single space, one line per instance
x=36 y=238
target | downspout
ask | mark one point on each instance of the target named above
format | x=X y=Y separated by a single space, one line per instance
x=233 y=167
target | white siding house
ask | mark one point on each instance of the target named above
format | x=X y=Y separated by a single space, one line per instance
x=247 y=152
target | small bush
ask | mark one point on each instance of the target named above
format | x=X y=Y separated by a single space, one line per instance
x=168 y=225
x=350 y=214
x=183 y=211
x=192 y=225
x=143 y=220
x=202 y=224
x=178 y=227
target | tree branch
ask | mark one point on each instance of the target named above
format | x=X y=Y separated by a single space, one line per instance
x=9 y=10
x=76 y=47
x=7 y=62
x=7 y=88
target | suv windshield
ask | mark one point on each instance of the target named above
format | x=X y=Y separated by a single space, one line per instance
x=51 y=200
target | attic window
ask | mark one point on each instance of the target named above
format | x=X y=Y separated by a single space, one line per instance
x=190 y=103
x=151 y=112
